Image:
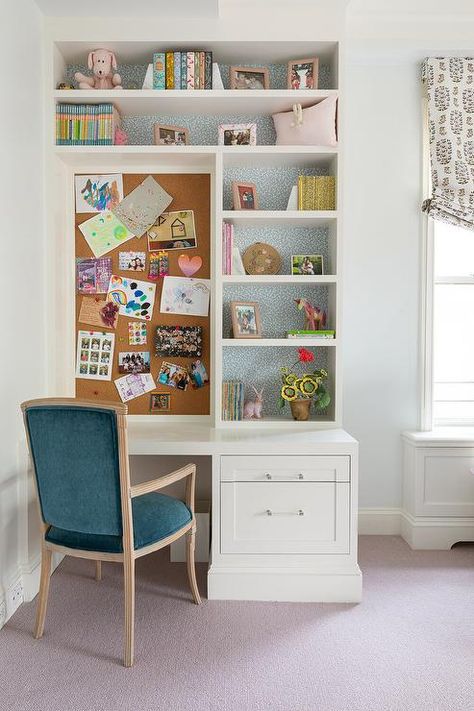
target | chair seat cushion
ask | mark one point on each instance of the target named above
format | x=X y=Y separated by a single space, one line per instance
x=155 y=516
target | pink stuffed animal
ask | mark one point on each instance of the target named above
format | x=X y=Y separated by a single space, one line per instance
x=102 y=62
x=253 y=408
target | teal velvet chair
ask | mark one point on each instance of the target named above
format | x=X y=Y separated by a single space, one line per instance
x=87 y=506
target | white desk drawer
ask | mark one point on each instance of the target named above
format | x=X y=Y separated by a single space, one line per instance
x=285 y=518
x=285 y=468
x=445 y=482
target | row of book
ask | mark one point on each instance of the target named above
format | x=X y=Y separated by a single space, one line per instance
x=232 y=400
x=311 y=334
x=86 y=124
x=227 y=247
x=316 y=192
x=182 y=70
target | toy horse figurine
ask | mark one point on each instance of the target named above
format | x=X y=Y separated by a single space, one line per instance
x=253 y=408
x=315 y=319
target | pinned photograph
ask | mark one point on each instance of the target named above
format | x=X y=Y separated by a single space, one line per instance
x=173 y=375
x=198 y=373
x=170 y=135
x=244 y=195
x=179 y=341
x=96 y=193
x=245 y=319
x=94 y=355
x=160 y=402
x=237 y=134
x=307 y=264
x=132 y=261
x=249 y=78
x=134 y=362
x=173 y=230
x=303 y=73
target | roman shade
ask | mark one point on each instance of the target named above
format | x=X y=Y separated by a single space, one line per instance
x=449 y=83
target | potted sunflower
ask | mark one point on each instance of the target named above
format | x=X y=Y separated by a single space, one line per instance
x=301 y=390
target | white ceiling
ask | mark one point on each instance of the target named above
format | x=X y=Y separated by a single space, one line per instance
x=127 y=8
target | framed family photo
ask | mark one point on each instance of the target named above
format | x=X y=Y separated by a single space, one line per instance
x=160 y=402
x=244 y=196
x=249 y=78
x=171 y=135
x=245 y=319
x=237 y=134
x=307 y=264
x=303 y=73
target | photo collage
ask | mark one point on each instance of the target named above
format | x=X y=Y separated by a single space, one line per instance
x=148 y=297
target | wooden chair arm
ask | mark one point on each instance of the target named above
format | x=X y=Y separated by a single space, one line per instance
x=155 y=484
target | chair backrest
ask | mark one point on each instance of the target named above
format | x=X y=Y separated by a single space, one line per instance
x=74 y=446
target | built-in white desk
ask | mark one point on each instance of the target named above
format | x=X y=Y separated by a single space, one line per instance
x=284 y=507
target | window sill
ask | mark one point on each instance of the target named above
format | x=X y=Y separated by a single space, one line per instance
x=452 y=436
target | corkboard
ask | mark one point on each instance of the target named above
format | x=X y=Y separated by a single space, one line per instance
x=190 y=192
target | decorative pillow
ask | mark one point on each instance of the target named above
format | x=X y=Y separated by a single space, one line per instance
x=314 y=126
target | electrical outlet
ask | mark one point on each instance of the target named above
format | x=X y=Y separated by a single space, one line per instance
x=15 y=597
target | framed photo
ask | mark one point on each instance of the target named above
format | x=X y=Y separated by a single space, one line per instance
x=249 y=78
x=160 y=402
x=170 y=135
x=245 y=319
x=303 y=73
x=237 y=134
x=173 y=375
x=244 y=196
x=307 y=264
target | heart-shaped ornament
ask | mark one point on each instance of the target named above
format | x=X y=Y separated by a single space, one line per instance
x=189 y=266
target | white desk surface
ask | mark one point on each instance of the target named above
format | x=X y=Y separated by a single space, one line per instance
x=185 y=438
x=442 y=437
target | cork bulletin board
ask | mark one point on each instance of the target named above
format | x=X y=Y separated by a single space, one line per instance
x=189 y=192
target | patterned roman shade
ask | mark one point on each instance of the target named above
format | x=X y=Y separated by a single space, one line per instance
x=449 y=83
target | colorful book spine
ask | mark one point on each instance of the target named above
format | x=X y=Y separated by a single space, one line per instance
x=232 y=400
x=86 y=124
x=197 y=75
x=316 y=192
x=202 y=69
x=177 y=69
x=170 y=70
x=208 y=70
x=184 y=70
x=159 y=70
x=190 y=70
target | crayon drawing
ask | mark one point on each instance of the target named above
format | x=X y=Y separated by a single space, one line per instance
x=96 y=193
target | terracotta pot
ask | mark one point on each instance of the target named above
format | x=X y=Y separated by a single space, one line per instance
x=300 y=409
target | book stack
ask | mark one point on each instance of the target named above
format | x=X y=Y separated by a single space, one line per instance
x=182 y=70
x=232 y=400
x=316 y=192
x=311 y=334
x=227 y=247
x=86 y=124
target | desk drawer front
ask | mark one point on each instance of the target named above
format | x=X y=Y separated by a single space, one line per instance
x=285 y=518
x=286 y=468
x=445 y=482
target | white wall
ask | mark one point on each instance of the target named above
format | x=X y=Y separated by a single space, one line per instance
x=22 y=371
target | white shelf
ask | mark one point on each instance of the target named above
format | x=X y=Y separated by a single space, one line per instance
x=268 y=342
x=315 y=421
x=202 y=157
x=278 y=279
x=307 y=218
x=278 y=156
x=212 y=102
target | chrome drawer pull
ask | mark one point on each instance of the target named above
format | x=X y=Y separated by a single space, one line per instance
x=269 y=477
x=300 y=476
x=300 y=512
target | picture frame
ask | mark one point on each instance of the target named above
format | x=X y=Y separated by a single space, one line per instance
x=307 y=264
x=303 y=74
x=244 y=196
x=249 y=78
x=160 y=402
x=170 y=135
x=237 y=134
x=246 y=321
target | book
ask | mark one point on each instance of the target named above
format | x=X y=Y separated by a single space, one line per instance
x=202 y=69
x=316 y=192
x=197 y=75
x=169 y=70
x=159 y=72
x=86 y=124
x=232 y=400
x=322 y=334
x=208 y=70
x=177 y=70
x=190 y=70
x=184 y=70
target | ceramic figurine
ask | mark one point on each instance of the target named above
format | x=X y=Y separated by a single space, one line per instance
x=103 y=65
x=253 y=408
x=314 y=317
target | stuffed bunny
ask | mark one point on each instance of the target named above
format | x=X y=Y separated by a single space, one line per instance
x=253 y=408
x=102 y=62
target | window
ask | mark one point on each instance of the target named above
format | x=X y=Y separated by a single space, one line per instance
x=452 y=324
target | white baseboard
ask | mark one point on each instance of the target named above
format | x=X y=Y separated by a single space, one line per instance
x=380 y=521
x=430 y=533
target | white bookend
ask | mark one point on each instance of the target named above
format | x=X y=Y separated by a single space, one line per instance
x=293 y=199
x=237 y=263
x=216 y=77
x=148 y=80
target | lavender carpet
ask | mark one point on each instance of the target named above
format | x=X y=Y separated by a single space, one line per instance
x=408 y=646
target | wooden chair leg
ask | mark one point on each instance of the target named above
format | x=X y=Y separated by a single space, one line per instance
x=98 y=570
x=190 y=545
x=43 y=591
x=129 y=585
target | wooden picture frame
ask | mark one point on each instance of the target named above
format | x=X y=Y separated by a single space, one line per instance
x=167 y=135
x=237 y=134
x=241 y=78
x=160 y=402
x=295 y=80
x=246 y=321
x=244 y=196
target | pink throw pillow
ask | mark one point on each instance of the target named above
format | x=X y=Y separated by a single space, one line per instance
x=317 y=129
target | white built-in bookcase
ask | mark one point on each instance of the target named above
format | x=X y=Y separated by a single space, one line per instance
x=62 y=162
